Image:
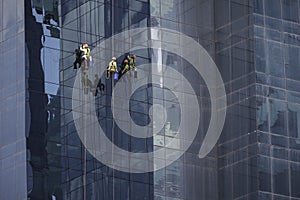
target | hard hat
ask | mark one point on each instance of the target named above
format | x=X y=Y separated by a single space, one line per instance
x=85 y=46
x=133 y=56
x=113 y=58
x=125 y=61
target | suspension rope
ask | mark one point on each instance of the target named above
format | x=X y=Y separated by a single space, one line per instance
x=83 y=82
x=112 y=98
x=85 y=88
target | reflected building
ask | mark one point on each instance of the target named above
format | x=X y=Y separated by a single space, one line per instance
x=255 y=45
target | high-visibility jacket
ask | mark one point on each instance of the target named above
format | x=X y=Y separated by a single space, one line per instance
x=86 y=51
x=112 y=66
x=125 y=69
x=131 y=62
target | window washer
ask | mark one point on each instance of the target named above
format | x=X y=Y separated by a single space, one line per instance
x=78 y=54
x=112 y=68
x=86 y=54
x=131 y=59
x=125 y=67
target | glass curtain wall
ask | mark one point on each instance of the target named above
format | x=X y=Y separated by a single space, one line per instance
x=255 y=45
x=92 y=22
x=237 y=160
x=277 y=47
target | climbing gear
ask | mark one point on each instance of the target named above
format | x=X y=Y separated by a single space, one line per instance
x=132 y=63
x=126 y=67
x=131 y=60
x=86 y=58
x=112 y=68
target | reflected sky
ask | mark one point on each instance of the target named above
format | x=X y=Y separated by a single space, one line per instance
x=50 y=55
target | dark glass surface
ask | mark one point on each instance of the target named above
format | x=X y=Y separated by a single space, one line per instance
x=255 y=44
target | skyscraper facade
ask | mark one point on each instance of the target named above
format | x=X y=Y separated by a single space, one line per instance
x=211 y=112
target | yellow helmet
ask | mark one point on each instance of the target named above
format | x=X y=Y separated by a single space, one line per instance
x=85 y=46
x=113 y=58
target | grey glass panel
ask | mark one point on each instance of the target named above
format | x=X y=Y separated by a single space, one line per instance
x=260 y=57
x=280 y=173
x=273 y=23
x=292 y=62
x=262 y=114
x=221 y=8
x=275 y=64
x=278 y=121
x=264 y=172
x=290 y=10
x=258 y=6
x=273 y=8
x=295 y=179
x=264 y=196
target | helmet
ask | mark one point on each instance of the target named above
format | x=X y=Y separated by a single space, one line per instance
x=133 y=56
x=85 y=46
x=113 y=58
x=125 y=61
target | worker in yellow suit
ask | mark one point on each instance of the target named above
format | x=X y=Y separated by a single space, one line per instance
x=112 y=68
x=86 y=57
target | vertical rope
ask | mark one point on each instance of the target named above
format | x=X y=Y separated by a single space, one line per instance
x=79 y=29
x=78 y=22
x=112 y=99
x=86 y=81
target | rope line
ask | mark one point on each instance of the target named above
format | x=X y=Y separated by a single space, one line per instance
x=112 y=100
x=85 y=87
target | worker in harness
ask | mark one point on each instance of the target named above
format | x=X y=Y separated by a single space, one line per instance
x=78 y=59
x=112 y=68
x=82 y=55
x=86 y=57
x=124 y=68
x=131 y=60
